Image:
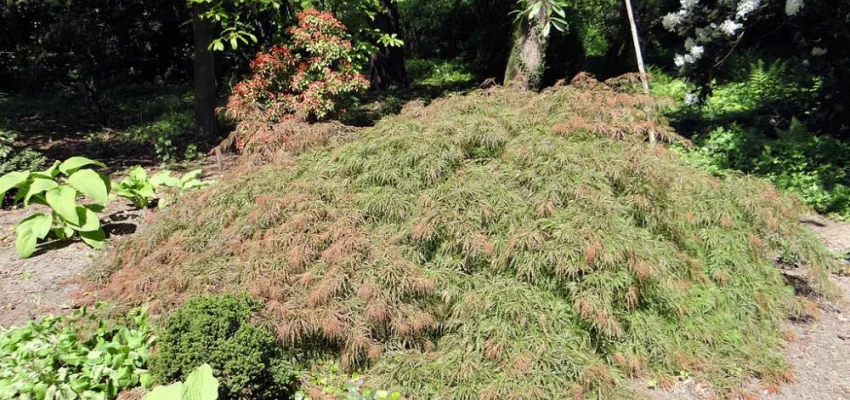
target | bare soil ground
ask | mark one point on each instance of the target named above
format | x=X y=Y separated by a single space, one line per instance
x=46 y=282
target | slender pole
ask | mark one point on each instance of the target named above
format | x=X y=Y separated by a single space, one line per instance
x=639 y=56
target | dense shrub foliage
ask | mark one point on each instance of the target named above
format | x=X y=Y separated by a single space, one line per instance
x=309 y=79
x=497 y=245
x=13 y=158
x=75 y=356
x=751 y=125
x=217 y=330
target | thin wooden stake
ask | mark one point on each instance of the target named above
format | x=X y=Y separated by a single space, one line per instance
x=639 y=56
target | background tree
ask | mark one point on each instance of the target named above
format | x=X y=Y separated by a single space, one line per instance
x=218 y=24
x=534 y=23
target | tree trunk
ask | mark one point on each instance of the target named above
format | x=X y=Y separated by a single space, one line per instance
x=205 y=81
x=387 y=64
x=526 y=62
x=14 y=23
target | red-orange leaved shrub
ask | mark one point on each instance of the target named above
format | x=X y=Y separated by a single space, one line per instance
x=309 y=79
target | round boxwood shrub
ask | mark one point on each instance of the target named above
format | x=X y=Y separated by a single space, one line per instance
x=246 y=359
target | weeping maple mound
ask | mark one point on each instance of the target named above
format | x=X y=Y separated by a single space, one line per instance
x=496 y=245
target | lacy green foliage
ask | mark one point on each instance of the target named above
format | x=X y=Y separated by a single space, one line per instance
x=327 y=381
x=75 y=356
x=200 y=385
x=15 y=159
x=496 y=245
x=58 y=188
x=217 y=330
x=761 y=89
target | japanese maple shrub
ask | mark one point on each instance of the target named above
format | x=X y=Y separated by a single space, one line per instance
x=309 y=79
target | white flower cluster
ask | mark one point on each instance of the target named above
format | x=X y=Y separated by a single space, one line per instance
x=745 y=7
x=688 y=4
x=819 y=51
x=730 y=27
x=694 y=54
x=792 y=7
x=672 y=20
x=691 y=99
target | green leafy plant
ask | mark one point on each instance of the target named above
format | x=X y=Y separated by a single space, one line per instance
x=136 y=187
x=140 y=189
x=15 y=159
x=59 y=188
x=78 y=356
x=333 y=383
x=217 y=331
x=200 y=385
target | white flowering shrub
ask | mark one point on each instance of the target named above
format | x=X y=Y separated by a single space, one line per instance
x=711 y=28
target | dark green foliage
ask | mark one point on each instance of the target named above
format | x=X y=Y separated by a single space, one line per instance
x=13 y=158
x=75 y=356
x=245 y=358
x=497 y=245
x=751 y=125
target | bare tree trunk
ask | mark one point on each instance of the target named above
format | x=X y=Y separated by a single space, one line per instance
x=387 y=65
x=14 y=23
x=205 y=80
x=526 y=62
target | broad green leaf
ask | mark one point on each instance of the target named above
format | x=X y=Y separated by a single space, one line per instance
x=51 y=172
x=63 y=201
x=94 y=238
x=91 y=184
x=190 y=175
x=173 y=391
x=164 y=178
x=138 y=174
x=40 y=225
x=89 y=221
x=38 y=185
x=11 y=180
x=201 y=384
x=147 y=191
x=25 y=243
x=72 y=164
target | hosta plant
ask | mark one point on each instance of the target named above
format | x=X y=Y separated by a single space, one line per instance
x=200 y=385
x=140 y=188
x=136 y=187
x=59 y=188
x=77 y=356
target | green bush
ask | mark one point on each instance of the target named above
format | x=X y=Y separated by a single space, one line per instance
x=815 y=167
x=439 y=73
x=75 y=356
x=748 y=125
x=498 y=245
x=247 y=359
x=14 y=159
